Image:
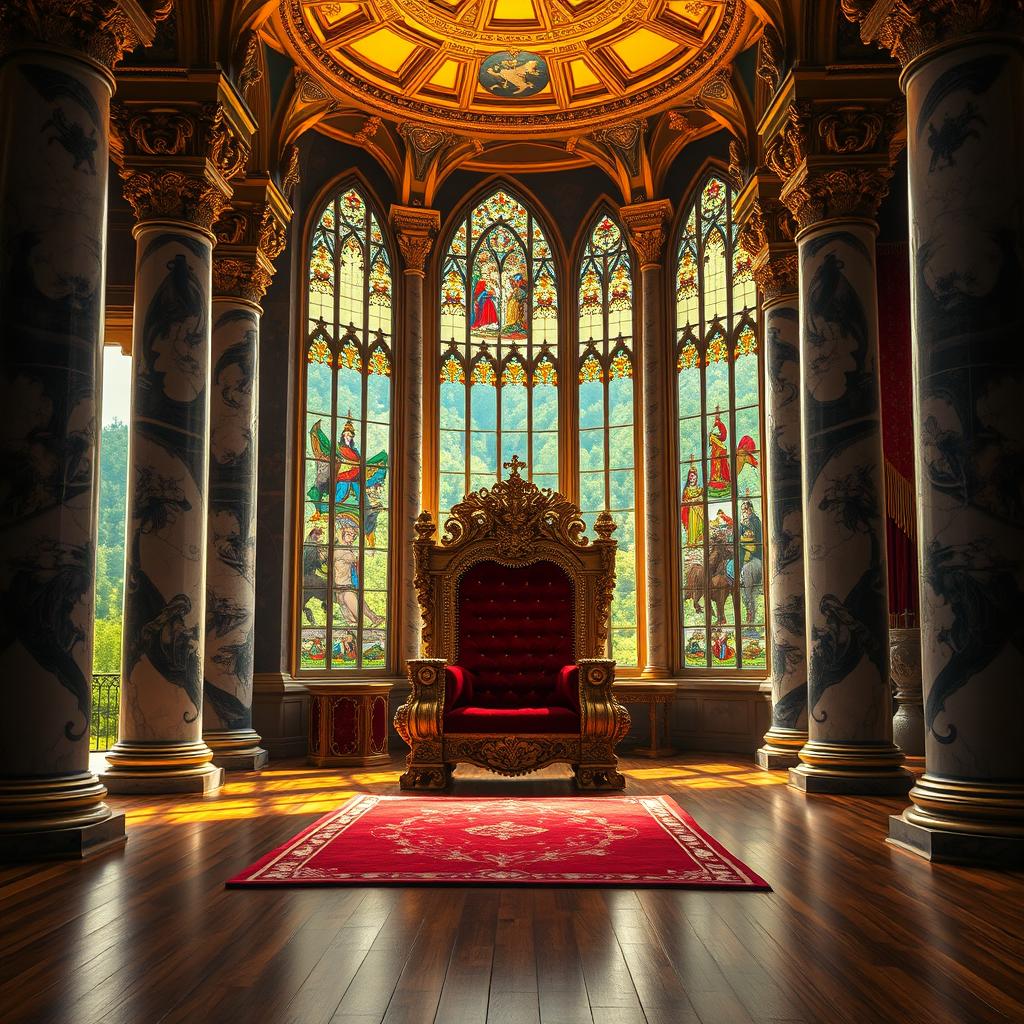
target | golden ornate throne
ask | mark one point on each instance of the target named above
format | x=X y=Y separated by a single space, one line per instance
x=515 y=603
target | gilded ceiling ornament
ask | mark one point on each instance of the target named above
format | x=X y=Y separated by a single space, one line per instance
x=573 y=69
x=251 y=70
x=625 y=141
x=290 y=173
x=770 y=57
x=370 y=127
x=426 y=145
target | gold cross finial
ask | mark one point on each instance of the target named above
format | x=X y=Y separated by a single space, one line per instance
x=515 y=465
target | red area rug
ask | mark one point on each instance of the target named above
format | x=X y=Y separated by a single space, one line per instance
x=381 y=840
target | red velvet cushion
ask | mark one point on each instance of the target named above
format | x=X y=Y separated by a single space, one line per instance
x=511 y=720
x=516 y=633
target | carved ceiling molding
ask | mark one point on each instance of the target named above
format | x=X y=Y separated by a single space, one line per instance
x=910 y=28
x=425 y=146
x=625 y=142
x=104 y=30
x=334 y=46
x=416 y=228
x=647 y=224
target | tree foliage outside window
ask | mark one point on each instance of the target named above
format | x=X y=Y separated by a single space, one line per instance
x=606 y=412
x=720 y=450
x=343 y=613
x=499 y=349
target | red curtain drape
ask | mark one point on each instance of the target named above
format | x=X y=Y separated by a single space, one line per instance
x=898 y=427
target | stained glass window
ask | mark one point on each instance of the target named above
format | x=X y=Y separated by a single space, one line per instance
x=499 y=349
x=720 y=460
x=606 y=403
x=343 y=615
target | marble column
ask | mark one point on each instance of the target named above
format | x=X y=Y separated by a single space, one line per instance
x=964 y=81
x=160 y=747
x=416 y=228
x=767 y=235
x=250 y=236
x=55 y=89
x=833 y=199
x=647 y=224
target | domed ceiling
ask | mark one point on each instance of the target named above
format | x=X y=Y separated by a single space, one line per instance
x=512 y=67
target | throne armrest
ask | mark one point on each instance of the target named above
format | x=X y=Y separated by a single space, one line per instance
x=602 y=717
x=458 y=685
x=419 y=718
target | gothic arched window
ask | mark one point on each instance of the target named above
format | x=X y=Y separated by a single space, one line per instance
x=343 y=615
x=499 y=345
x=720 y=462
x=606 y=433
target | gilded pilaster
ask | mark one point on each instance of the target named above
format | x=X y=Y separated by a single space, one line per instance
x=176 y=160
x=56 y=80
x=416 y=229
x=833 y=159
x=647 y=225
x=963 y=74
x=250 y=234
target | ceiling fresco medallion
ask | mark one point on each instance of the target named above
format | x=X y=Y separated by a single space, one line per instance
x=514 y=74
x=511 y=67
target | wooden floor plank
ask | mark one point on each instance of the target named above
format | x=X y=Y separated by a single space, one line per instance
x=854 y=930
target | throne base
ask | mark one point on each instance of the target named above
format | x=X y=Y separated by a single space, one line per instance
x=594 y=764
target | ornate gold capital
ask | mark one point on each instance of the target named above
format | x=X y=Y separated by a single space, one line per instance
x=156 y=194
x=250 y=234
x=835 y=158
x=416 y=228
x=909 y=28
x=178 y=158
x=766 y=233
x=242 y=279
x=103 y=30
x=647 y=224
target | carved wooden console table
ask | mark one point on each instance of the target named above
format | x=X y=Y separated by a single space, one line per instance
x=348 y=723
x=653 y=694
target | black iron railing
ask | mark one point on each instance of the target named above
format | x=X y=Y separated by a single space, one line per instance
x=106 y=699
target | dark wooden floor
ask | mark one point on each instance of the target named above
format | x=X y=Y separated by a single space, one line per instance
x=855 y=931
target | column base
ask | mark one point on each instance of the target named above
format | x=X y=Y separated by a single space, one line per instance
x=76 y=843
x=864 y=769
x=237 y=750
x=772 y=758
x=949 y=847
x=781 y=748
x=155 y=768
x=56 y=817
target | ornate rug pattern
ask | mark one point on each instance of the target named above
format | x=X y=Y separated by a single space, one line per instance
x=607 y=841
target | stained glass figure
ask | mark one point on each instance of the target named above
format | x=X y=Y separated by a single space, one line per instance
x=607 y=439
x=720 y=467
x=343 y=615
x=499 y=343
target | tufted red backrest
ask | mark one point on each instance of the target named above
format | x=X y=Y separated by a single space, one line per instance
x=515 y=632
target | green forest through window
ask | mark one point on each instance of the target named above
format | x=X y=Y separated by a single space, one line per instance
x=499 y=349
x=606 y=413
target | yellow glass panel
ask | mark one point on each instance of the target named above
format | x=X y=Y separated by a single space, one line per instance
x=384 y=48
x=514 y=10
x=642 y=48
x=445 y=76
x=582 y=76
